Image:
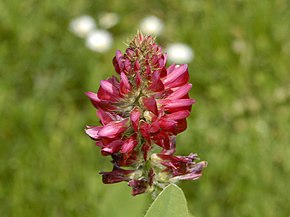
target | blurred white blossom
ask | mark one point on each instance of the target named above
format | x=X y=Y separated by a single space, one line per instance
x=151 y=25
x=99 y=40
x=108 y=20
x=82 y=25
x=179 y=53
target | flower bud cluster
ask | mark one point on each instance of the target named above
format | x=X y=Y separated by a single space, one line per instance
x=141 y=112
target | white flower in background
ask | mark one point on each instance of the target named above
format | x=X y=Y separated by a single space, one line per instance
x=151 y=25
x=81 y=26
x=99 y=40
x=179 y=53
x=108 y=20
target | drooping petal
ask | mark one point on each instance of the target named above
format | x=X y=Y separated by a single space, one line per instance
x=115 y=176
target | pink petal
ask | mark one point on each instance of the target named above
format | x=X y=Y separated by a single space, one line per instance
x=125 y=86
x=129 y=145
x=176 y=105
x=135 y=118
x=117 y=62
x=99 y=103
x=113 y=147
x=178 y=115
x=150 y=104
x=113 y=129
x=93 y=132
x=177 y=77
x=107 y=117
x=157 y=84
x=180 y=92
x=109 y=87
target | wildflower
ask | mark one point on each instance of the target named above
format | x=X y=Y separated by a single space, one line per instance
x=141 y=112
x=82 y=25
x=99 y=40
x=180 y=53
x=152 y=25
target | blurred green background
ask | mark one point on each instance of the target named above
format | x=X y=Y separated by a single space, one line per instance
x=240 y=123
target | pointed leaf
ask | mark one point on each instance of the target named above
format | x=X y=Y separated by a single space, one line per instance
x=170 y=202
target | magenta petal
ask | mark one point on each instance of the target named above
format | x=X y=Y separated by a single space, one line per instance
x=178 y=115
x=93 y=132
x=117 y=62
x=108 y=87
x=107 y=117
x=99 y=103
x=177 y=77
x=150 y=104
x=176 y=105
x=135 y=117
x=129 y=145
x=138 y=79
x=113 y=129
x=125 y=86
x=157 y=84
x=113 y=147
x=180 y=92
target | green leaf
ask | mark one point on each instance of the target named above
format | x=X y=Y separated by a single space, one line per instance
x=170 y=202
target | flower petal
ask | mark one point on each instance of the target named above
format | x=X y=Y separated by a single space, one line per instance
x=180 y=92
x=135 y=118
x=113 y=129
x=177 y=77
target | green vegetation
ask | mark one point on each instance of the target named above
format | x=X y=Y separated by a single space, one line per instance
x=240 y=123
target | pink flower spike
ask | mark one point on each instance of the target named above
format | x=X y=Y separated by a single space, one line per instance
x=135 y=118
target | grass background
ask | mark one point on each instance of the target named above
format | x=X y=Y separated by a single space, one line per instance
x=240 y=123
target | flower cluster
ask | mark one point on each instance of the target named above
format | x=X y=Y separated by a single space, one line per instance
x=141 y=112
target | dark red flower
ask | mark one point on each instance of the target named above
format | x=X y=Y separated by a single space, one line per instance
x=144 y=107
